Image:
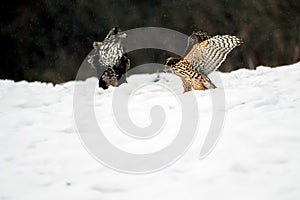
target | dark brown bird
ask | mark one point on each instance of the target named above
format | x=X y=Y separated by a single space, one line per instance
x=109 y=59
x=205 y=56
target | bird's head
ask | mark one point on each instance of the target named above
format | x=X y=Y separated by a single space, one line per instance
x=194 y=38
x=171 y=61
x=200 y=36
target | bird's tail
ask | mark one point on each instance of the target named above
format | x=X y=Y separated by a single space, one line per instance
x=204 y=83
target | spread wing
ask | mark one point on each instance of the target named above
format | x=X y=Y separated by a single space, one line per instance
x=208 y=55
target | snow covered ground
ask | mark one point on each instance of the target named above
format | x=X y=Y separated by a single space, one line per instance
x=257 y=157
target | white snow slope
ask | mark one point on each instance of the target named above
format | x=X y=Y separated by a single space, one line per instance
x=257 y=157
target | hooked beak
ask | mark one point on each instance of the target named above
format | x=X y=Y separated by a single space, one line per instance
x=95 y=44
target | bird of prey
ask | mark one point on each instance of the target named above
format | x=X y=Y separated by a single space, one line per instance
x=205 y=56
x=109 y=59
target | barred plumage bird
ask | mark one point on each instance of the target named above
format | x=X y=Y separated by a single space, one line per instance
x=205 y=56
x=109 y=59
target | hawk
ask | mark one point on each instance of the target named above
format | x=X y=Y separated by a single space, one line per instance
x=109 y=59
x=205 y=56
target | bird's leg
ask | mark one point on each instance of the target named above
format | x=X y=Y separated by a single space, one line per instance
x=186 y=86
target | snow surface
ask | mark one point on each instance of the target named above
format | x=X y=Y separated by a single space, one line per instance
x=257 y=157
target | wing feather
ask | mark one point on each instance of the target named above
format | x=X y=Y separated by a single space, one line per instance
x=208 y=55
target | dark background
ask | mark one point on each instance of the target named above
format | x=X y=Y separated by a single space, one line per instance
x=47 y=40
